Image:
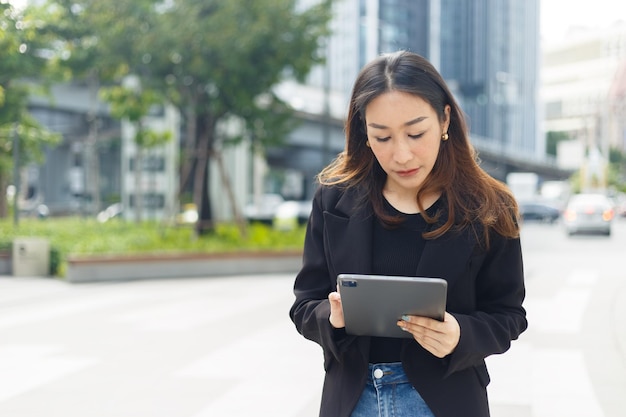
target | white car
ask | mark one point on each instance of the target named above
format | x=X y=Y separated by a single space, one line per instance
x=588 y=213
x=263 y=210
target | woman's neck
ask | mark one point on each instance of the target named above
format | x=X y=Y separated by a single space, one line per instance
x=406 y=202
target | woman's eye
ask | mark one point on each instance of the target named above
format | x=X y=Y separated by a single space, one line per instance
x=416 y=136
x=385 y=139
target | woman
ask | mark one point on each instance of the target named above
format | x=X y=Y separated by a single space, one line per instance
x=407 y=197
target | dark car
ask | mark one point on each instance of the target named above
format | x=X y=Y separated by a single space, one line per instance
x=539 y=211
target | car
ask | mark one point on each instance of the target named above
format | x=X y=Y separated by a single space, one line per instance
x=263 y=209
x=114 y=211
x=188 y=215
x=292 y=213
x=539 y=211
x=588 y=213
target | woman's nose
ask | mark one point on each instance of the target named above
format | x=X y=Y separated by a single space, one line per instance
x=402 y=153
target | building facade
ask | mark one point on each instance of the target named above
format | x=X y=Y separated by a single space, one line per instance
x=490 y=55
x=584 y=86
x=486 y=49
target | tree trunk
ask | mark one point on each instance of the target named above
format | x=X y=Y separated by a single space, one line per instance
x=205 y=214
x=187 y=160
x=3 y=197
x=201 y=179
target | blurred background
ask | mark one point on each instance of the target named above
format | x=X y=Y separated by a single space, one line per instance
x=214 y=111
x=198 y=126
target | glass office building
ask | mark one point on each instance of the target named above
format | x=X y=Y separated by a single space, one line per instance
x=487 y=50
x=490 y=54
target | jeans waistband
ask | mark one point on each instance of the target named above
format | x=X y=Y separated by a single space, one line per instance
x=386 y=373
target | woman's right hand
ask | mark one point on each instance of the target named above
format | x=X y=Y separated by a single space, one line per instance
x=336 y=311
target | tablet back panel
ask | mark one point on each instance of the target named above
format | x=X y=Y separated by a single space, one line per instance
x=373 y=303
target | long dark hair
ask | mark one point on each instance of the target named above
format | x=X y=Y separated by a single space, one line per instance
x=472 y=196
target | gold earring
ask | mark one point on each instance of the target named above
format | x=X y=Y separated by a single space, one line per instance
x=445 y=136
x=367 y=143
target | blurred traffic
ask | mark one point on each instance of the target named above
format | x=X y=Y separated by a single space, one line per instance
x=587 y=211
x=274 y=210
x=590 y=213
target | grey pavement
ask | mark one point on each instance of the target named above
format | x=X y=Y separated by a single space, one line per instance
x=224 y=346
x=185 y=347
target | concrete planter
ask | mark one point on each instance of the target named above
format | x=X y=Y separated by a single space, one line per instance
x=123 y=268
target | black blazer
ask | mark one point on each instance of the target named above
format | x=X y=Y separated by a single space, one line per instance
x=485 y=295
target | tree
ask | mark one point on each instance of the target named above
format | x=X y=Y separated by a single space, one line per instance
x=218 y=62
x=20 y=57
x=215 y=60
x=617 y=169
x=552 y=141
x=133 y=104
x=94 y=42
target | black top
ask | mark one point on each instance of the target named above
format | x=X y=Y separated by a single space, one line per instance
x=396 y=251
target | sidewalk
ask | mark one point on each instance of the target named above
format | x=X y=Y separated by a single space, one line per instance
x=572 y=359
x=213 y=346
x=162 y=348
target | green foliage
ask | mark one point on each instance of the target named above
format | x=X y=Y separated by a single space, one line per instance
x=576 y=182
x=5 y=245
x=93 y=39
x=130 y=103
x=55 y=261
x=215 y=60
x=218 y=61
x=79 y=236
x=22 y=52
x=616 y=177
x=552 y=141
x=134 y=104
x=617 y=157
x=222 y=57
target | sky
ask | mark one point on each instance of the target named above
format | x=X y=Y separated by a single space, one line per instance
x=558 y=15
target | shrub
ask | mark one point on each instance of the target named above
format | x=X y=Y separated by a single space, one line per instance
x=79 y=236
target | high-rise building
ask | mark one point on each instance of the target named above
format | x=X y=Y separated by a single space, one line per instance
x=490 y=54
x=487 y=50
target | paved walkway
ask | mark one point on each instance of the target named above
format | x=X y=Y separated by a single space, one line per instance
x=225 y=347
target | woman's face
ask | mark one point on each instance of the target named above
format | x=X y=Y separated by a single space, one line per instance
x=404 y=134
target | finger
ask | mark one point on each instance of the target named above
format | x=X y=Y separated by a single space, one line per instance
x=421 y=325
x=428 y=343
x=427 y=322
x=434 y=345
x=435 y=341
x=334 y=298
x=336 y=310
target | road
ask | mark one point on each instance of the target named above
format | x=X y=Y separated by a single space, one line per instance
x=225 y=347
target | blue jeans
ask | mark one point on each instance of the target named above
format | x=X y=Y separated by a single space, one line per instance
x=388 y=393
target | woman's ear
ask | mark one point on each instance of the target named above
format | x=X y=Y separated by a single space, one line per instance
x=446 y=121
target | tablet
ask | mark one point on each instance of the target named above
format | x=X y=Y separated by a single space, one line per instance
x=372 y=304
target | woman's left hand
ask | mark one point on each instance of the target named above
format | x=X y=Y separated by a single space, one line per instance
x=438 y=337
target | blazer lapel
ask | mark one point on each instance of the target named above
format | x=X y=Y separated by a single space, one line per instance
x=349 y=231
x=446 y=257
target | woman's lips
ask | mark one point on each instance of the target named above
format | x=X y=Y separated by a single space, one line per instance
x=407 y=173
